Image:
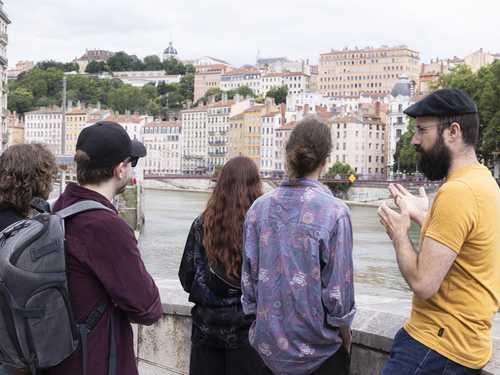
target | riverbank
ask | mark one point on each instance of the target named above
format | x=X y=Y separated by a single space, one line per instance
x=357 y=196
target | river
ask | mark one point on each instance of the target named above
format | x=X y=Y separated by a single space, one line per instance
x=169 y=215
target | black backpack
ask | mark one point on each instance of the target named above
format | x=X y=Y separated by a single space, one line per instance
x=37 y=329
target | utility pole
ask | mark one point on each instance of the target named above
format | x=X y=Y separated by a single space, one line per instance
x=63 y=137
x=63 y=123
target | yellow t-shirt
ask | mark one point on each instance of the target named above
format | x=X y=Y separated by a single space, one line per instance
x=456 y=321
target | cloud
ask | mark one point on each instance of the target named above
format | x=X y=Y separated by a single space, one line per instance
x=235 y=31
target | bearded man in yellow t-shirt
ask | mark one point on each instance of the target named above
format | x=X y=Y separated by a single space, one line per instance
x=455 y=274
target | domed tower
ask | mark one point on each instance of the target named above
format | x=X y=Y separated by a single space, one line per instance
x=170 y=52
x=403 y=87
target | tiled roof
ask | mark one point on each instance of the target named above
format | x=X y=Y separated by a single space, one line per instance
x=271 y=114
x=254 y=108
x=237 y=117
x=163 y=124
x=287 y=126
x=200 y=108
x=221 y=104
x=135 y=118
x=242 y=71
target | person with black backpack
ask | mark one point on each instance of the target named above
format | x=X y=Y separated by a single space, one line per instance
x=210 y=272
x=27 y=172
x=109 y=286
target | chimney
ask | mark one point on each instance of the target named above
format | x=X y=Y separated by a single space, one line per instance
x=306 y=109
x=283 y=113
x=269 y=102
x=79 y=104
x=99 y=106
x=224 y=97
x=377 y=109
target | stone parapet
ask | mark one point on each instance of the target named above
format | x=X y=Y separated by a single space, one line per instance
x=163 y=349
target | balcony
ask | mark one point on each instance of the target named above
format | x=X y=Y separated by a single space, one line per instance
x=217 y=143
x=4 y=38
x=216 y=154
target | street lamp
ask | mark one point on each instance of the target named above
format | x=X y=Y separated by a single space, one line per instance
x=63 y=163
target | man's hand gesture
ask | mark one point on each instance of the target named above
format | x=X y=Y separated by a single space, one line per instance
x=417 y=205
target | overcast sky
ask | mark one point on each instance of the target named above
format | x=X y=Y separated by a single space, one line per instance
x=236 y=30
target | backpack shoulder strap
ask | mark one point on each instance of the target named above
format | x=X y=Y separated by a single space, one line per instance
x=82 y=206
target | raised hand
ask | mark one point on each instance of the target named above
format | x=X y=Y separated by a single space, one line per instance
x=417 y=205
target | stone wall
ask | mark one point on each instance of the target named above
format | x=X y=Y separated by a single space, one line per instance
x=163 y=349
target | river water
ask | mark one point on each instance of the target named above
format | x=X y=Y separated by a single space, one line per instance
x=169 y=215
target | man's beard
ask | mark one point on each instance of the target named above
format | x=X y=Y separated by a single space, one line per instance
x=435 y=163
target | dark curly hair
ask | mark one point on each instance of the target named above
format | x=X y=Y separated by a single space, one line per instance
x=308 y=147
x=238 y=186
x=28 y=171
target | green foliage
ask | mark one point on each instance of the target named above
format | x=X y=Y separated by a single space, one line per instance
x=96 y=67
x=244 y=91
x=42 y=86
x=484 y=88
x=278 y=93
x=128 y=98
x=405 y=157
x=66 y=67
x=342 y=170
x=186 y=86
x=152 y=62
x=21 y=100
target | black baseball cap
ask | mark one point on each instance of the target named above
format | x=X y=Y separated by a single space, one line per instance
x=107 y=144
x=442 y=103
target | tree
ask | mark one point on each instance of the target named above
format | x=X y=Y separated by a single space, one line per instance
x=174 y=66
x=245 y=91
x=21 y=100
x=216 y=92
x=484 y=88
x=186 y=87
x=190 y=68
x=278 y=93
x=152 y=62
x=491 y=136
x=342 y=170
x=405 y=157
x=121 y=62
x=128 y=98
x=96 y=67
x=65 y=67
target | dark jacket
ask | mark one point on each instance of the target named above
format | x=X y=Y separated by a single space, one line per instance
x=104 y=264
x=218 y=317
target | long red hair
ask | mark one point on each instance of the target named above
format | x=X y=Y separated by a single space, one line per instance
x=238 y=186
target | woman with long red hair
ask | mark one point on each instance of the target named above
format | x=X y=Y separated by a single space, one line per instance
x=210 y=272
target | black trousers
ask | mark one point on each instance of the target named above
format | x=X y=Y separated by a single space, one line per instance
x=337 y=364
x=210 y=360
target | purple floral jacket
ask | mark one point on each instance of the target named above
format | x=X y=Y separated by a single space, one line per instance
x=297 y=275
